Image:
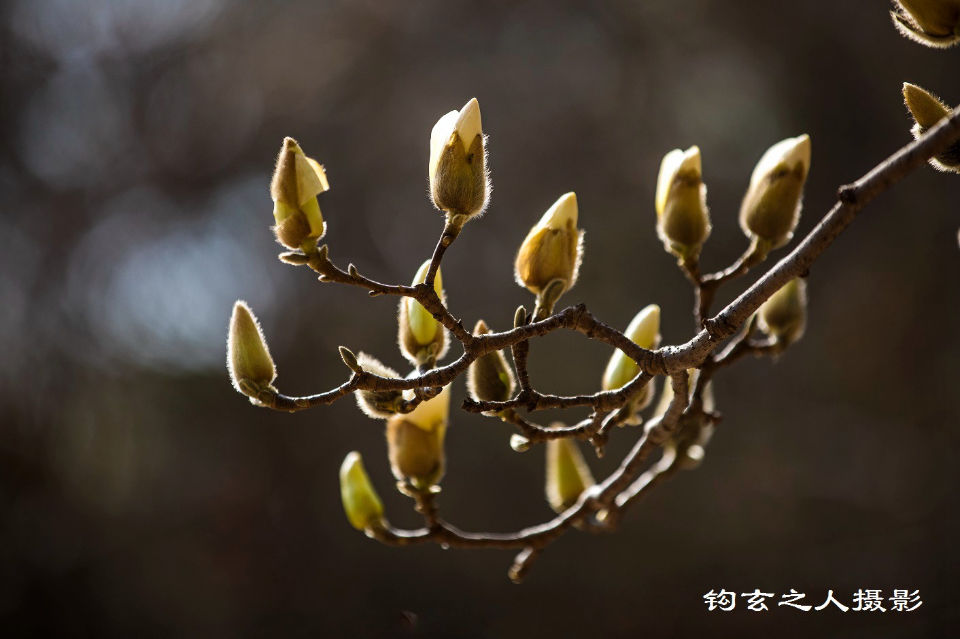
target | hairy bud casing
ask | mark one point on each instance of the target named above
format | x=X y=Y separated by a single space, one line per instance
x=784 y=315
x=248 y=358
x=683 y=220
x=489 y=377
x=297 y=180
x=552 y=249
x=934 y=23
x=927 y=109
x=374 y=403
x=771 y=207
x=459 y=180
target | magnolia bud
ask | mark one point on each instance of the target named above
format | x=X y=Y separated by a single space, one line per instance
x=683 y=221
x=459 y=182
x=415 y=442
x=422 y=339
x=489 y=377
x=567 y=474
x=644 y=331
x=927 y=109
x=784 y=315
x=935 y=23
x=771 y=208
x=378 y=404
x=248 y=358
x=297 y=181
x=360 y=501
x=552 y=249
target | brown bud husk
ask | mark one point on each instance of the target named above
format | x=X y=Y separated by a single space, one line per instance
x=933 y=23
x=490 y=377
x=416 y=455
x=248 y=358
x=378 y=404
x=927 y=110
x=297 y=180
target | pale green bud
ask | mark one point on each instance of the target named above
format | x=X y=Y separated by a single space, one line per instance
x=360 y=500
x=934 y=23
x=784 y=315
x=297 y=180
x=683 y=221
x=567 y=474
x=489 y=377
x=552 y=249
x=422 y=338
x=459 y=181
x=248 y=358
x=927 y=109
x=378 y=404
x=771 y=208
x=644 y=331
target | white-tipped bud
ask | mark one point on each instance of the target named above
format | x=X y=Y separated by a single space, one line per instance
x=459 y=181
x=489 y=377
x=361 y=503
x=927 y=110
x=567 y=474
x=422 y=339
x=934 y=23
x=683 y=220
x=771 y=208
x=248 y=358
x=297 y=180
x=784 y=315
x=374 y=403
x=552 y=249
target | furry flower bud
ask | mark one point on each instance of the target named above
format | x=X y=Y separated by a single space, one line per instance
x=552 y=249
x=459 y=181
x=927 y=109
x=489 y=377
x=422 y=339
x=248 y=358
x=374 y=403
x=683 y=221
x=297 y=180
x=567 y=474
x=771 y=208
x=360 y=500
x=784 y=315
x=415 y=442
x=934 y=23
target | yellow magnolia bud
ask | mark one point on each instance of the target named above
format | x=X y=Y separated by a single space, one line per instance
x=422 y=339
x=489 y=377
x=683 y=221
x=432 y=413
x=644 y=331
x=771 y=208
x=248 y=358
x=935 y=23
x=360 y=501
x=459 y=181
x=927 y=109
x=784 y=315
x=552 y=249
x=297 y=180
x=377 y=404
x=567 y=474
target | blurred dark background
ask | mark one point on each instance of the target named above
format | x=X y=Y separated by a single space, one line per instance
x=140 y=495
